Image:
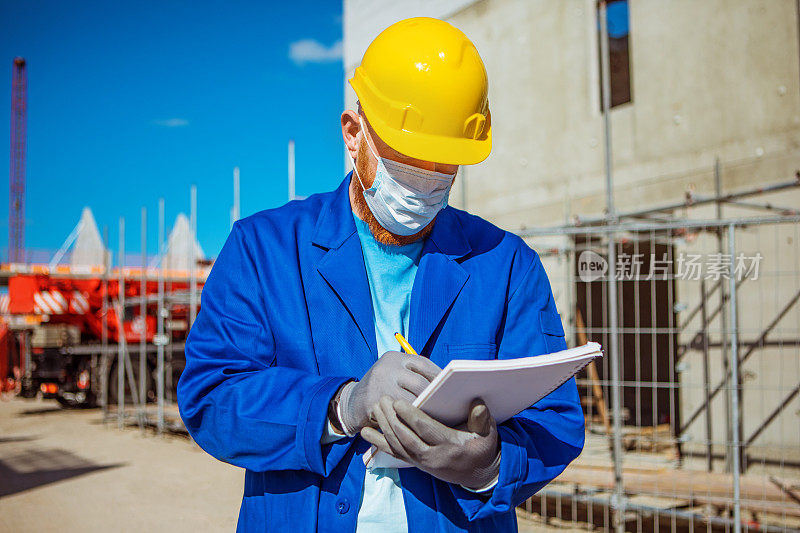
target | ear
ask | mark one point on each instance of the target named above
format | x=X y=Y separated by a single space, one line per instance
x=350 y=130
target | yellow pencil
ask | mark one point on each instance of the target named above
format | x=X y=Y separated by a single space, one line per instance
x=404 y=343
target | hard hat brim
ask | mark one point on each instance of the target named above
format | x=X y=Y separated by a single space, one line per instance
x=433 y=148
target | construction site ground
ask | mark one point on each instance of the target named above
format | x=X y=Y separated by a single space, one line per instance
x=67 y=470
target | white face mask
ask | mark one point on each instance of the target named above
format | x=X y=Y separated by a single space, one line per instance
x=404 y=198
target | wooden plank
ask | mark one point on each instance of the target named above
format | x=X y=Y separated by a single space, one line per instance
x=677 y=483
x=597 y=390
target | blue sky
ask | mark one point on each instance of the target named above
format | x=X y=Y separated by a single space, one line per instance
x=132 y=101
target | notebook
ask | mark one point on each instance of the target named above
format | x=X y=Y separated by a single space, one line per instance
x=507 y=386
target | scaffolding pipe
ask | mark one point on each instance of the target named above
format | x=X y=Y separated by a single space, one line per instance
x=291 y=170
x=193 y=257
x=168 y=367
x=24 y=339
x=698 y=224
x=769 y=206
x=120 y=329
x=605 y=75
x=734 y=395
x=160 y=319
x=142 y=319
x=65 y=246
x=618 y=499
x=123 y=343
x=695 y=201
x=104 y=325
x=706 y=377
x=235 y=211
x=723 y=311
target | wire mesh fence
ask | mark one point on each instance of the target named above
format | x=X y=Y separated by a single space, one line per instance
x=693 y=416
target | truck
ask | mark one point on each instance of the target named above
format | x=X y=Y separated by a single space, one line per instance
x=62 y=329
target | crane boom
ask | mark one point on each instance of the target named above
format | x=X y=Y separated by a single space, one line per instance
x=16 y=212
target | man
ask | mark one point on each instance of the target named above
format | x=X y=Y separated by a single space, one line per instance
x=292 y=368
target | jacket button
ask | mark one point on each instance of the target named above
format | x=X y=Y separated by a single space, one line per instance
x=342 y=506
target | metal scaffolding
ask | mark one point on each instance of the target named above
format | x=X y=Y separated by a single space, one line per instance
x=172 y=293
x=666 y=413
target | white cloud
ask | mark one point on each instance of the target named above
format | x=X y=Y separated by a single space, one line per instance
x=313 y=51
x=172 y=122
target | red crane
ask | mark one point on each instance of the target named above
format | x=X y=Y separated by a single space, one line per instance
x=16 y=212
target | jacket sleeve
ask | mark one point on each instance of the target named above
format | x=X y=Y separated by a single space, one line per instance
x=235 y=402
x=538 y=443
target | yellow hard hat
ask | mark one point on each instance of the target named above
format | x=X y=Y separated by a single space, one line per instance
x=424 y=89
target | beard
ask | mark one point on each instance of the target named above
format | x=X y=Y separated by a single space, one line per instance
x=362 y=210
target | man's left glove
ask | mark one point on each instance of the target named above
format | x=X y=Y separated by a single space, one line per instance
x=468 y=455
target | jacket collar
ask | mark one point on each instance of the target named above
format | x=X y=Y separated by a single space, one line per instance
x=335 y=222
x=448 y=236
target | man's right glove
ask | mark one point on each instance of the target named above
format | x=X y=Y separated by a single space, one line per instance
x=468 y=455
x=397 y=375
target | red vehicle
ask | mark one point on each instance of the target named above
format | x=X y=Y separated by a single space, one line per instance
x=61 y=330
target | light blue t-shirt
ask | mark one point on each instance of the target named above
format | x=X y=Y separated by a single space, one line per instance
x=390 y=271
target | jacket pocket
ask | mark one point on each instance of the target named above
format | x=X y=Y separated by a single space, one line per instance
x=252 y=515
x=552 y=330
x=472 y=351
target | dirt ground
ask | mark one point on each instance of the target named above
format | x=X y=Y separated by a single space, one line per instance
x=65 y=470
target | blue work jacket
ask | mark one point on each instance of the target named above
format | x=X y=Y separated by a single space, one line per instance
x=286 y=319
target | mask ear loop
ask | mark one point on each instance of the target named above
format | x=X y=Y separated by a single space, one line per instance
x=353 y=161
x=364 y=133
